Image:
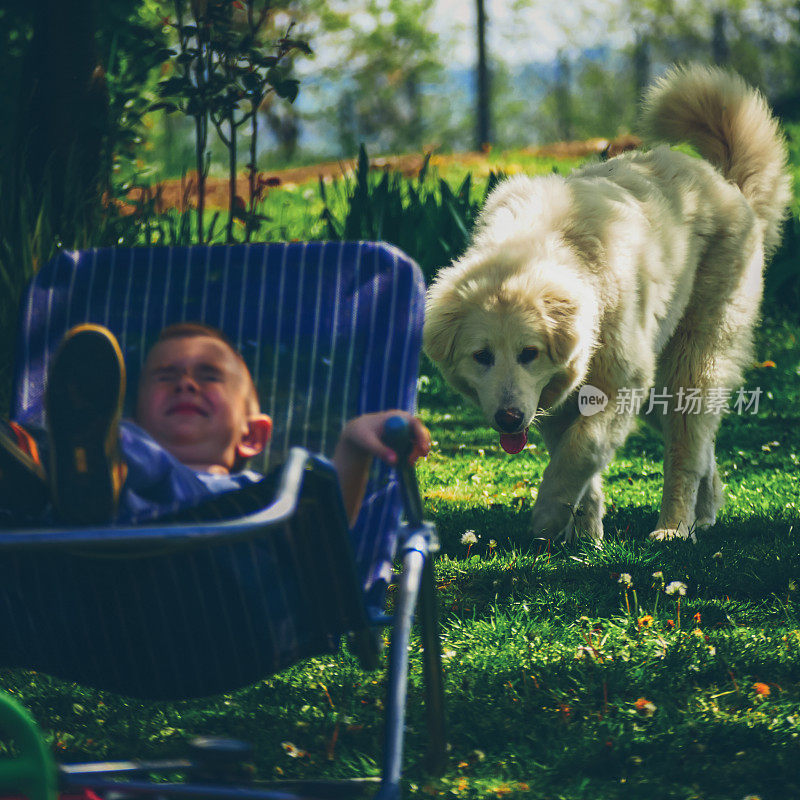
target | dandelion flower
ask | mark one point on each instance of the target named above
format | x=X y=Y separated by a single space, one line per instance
x=761 y=688
x=676 y=587
x=646 y=621
x=469 y=537
x=626 y=580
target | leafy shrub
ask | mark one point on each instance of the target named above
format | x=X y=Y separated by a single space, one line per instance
x=782 y=284
x=428 y=221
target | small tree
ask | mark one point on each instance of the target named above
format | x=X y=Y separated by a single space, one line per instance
x=224 y=68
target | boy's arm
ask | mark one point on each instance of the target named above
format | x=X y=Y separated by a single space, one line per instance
x=359 y=442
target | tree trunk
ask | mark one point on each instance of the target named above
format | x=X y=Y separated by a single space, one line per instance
x=233 y=208
x=64 y=106
x=563 y=94
x=641 y=65
x=720 y=51
x=483 y=112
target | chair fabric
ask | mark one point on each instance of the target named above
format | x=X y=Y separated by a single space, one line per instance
x=329 y=330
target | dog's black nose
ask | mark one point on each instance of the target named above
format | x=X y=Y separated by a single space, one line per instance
x=509 y=420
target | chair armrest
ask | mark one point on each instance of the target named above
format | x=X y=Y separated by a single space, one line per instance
x=153 y=534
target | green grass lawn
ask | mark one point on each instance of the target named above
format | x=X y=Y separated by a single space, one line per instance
x=560 y=683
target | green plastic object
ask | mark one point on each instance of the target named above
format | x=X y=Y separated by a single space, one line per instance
x=32 y=773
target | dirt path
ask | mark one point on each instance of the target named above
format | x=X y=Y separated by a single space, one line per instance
x=180 y=193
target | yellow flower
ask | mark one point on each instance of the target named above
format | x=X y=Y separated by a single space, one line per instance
x=646 y=621
x=761 y=688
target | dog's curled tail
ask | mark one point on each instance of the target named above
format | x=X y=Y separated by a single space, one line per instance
x=731 y=125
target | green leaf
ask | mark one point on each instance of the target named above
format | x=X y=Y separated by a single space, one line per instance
x=288 y=89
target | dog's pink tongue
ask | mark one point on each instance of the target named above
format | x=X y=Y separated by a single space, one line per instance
x=513 y=442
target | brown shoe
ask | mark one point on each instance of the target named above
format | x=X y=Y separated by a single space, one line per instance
x=83 y=398
x=23 y=486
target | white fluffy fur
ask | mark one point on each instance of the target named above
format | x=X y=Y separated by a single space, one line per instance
x=643 y=271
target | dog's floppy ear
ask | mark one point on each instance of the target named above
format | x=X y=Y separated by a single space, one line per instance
x=444 y=313
x=442 y=320
x=439 y=335
x=562 y=319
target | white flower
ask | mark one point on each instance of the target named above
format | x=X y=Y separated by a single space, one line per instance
x=626 y=580
x=469 y=537
x=676 y=587
x=492 y=543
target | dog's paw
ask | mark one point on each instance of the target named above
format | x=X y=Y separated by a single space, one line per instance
x=552 y=521
x=669 y=534
x=702 y=523
x=590 y=530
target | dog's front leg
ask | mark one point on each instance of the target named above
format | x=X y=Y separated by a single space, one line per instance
x=576 y=461
x=689 y=464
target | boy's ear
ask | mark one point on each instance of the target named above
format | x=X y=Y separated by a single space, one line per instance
x=259 y=429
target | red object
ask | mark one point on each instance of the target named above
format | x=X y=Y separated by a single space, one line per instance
x=513 y=443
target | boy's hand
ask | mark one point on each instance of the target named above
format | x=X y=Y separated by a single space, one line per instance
x=364 y=434
x=359 y=442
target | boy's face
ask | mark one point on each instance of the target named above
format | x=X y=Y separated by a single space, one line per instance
x=194 y=400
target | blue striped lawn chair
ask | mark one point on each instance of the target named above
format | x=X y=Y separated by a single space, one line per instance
x=329 y=330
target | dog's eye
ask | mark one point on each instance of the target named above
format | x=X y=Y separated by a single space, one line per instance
x=484 y=357
x=527 y=355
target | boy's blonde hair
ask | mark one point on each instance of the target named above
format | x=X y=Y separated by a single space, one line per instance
x=187 y=330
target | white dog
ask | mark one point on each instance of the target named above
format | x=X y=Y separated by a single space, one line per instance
x=635 y=276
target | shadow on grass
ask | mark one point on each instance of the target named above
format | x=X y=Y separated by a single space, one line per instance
x=742 y=571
